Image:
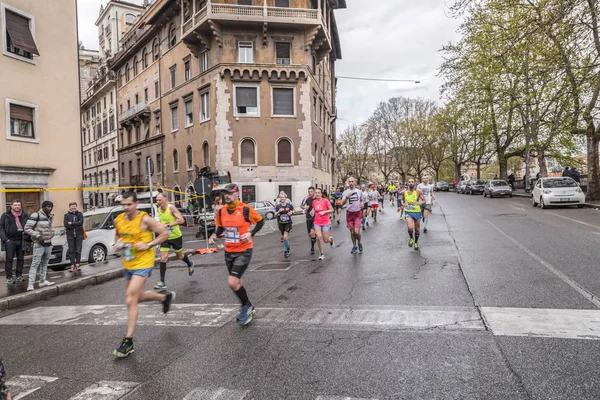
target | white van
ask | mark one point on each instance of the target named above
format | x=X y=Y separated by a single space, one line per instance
x=100 y=229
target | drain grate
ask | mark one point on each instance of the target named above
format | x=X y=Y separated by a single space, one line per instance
x=275 y=266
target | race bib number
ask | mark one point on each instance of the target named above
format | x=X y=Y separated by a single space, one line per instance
x=284 y=218
x=232 y=235
x=410 y=207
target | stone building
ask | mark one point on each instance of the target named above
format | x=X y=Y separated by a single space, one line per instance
x=41 y=146
x=247 y=88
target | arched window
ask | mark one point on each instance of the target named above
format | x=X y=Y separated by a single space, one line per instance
x=127 y=72
x=85 y=179
x=284 y=151
x=156 y=50
x=190 y=157
x=114 y=175
x=129 y=18
x=135 y=65
x=247 y=152
x=175 y=160
x=112 y=150
x=106 y=180
x=177 y=195
x=172 y=35
x=144 y=58
x=100 y=178
x=206 y=154
x=315 y=157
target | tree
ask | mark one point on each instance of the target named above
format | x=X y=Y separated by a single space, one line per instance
x=353 y=148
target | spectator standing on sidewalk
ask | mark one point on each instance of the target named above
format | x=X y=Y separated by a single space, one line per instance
x=73 y=223
x=566 y=172
x=11 y=234
x=511 y=181
x=39 y=229
x=576 y=175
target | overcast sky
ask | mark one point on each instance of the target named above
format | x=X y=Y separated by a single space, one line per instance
x=398 y=39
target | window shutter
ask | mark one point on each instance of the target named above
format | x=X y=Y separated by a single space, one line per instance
x=20 y=35
x=247 y=150
x=283 y=101
x=244 y=2
x=246 y=97
x=282 y=3
x=21 y=112
x=282 y=49
x=284 y=152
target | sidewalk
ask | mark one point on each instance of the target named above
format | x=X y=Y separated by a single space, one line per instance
x=521 y=193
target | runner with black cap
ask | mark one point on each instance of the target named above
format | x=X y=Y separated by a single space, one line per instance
x=233 y=222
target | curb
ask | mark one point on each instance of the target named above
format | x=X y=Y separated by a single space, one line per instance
x=26 y=298
x=528 y=196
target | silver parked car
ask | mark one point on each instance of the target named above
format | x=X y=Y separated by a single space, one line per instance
x=265 y=208
x=497 y=188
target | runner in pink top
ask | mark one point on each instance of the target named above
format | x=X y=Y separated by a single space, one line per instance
x=322 y=209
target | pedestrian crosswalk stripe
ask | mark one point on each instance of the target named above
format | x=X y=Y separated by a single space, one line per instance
x=218 y=394
x=23 y=385
x=105 y=390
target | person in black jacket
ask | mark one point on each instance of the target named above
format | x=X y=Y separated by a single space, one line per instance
x=73 y=223
x=12 y=223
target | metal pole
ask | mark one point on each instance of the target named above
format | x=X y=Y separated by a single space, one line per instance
x=204 y=206
x=527 y=164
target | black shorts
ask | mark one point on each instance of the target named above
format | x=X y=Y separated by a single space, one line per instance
x=310 y=224
x=339 y=207
x=381 y=200
x=285 y=228
x=175 y=244
x=237 y=263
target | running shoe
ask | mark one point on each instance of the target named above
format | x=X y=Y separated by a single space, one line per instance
x=322 y=256
x=312 y=252
x=245 y=316
x=363 y=228
x=360 y=247
x=331 y=241
x=416 y=246
x=424 y=230
x=167 y=302
x=354 y=250
x=191 y=268
x=10 y=281
x=286 y=254
x=401 y=218
x=160 y=285
x=125 y=349
x=411 y=242
x=367 y=223
x=338 y=221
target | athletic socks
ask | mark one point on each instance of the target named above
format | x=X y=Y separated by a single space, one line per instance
x=187 y=260
x=417 y=237
x=242 y=295
x=286 y=245
x=425 y=221
x=163 y=271
x=410 y=233
x=313 y=240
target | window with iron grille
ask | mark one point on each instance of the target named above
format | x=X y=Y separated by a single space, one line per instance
x=283 y=53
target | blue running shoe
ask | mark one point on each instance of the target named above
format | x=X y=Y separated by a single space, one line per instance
x=360 y=247
x=191 y=268
x=246 y=314
x=160 y=285
x=354 y=250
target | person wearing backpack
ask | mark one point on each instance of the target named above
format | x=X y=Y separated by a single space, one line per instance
x=11 y=235
x=39 y=229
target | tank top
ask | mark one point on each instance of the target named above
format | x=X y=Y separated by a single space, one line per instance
x=131 y=233
x=234 y=226
x=166 y=217
x=411 y=198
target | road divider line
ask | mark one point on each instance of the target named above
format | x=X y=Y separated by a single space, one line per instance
x=517 y=208
x=575 y=220
x=476 y=213
x=105 y=390
x=579 y=288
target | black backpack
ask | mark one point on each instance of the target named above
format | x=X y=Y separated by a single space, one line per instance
x=26 y=237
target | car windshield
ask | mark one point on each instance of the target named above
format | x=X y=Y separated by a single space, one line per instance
x=478 y=182
x=442 y=183
x=94 y=221
x=499 y=183
x=559 y=183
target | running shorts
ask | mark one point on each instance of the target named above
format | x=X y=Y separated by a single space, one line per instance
x=144 y=273
x=237 y=263
x=309 y=224
x=285 y=228
x=381 y=200
x=426 y=207
x=176 y=244
x=339 y=206
x=353 y=219
x=375 y=205
x=414 y=215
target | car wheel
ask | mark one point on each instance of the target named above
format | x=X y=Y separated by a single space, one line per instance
x=542 y=205
x=269 y=215
x=57 y=267
x=97 y=254
x=579 y=205
x=484 y=194
x=510 y=195
x=491 y=195
x=533 y=203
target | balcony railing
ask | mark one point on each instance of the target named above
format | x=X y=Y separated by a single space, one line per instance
x=96 y=84
x=137 y=111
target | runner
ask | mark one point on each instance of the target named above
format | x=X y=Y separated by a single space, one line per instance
x=413 y=200
x=134 y=239
x=428 y=193
x=399 y=197
x=353 y=214
x=337 y=198
x=323 y=208
x=284 y=212
x=381 y=191
x=310 y=217
x=365 y=203
x=234 y=221
x=374 y=202
x=392 y=192
x=171 y=218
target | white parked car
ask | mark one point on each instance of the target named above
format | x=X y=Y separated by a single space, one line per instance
x=100 y=228
x=557 y=191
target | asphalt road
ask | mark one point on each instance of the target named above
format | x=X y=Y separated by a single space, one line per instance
x=498 y=303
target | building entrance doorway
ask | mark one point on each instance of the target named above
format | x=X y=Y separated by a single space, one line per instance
x=30 y=201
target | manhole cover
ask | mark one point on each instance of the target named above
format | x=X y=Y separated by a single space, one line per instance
x=275 y=266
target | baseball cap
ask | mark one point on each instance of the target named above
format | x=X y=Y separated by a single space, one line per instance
x=231 y=188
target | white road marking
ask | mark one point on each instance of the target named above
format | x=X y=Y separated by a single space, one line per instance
x=218 y=394
x=566 y=324
x=196 y=241
x=575 y=220
x=105 y=390
x=517 y=208
x=476 y=213
x=583 y=291
x=23 y=385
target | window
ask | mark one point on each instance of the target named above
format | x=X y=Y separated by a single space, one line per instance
x=172 y=35
x=106 y=153
x=244 y=2
x=138 y=132
x=19 y=41
x=130 y=168
x=114 y=175
x=137 y=99
x=156 y=50
x=320 y=113
x=175 y=160
x=283 y=53
x=106 y=177
x=84 y=142
x=135 y=66
x=122 y=170
x=145 y=58
x=146 y=95
x=112 y=150
x=247 y=152
x=159 y=163
x=111 y=98
x=283 y=101
x=246 y=101
x=112 y=123
x=104 y=102
x=186 y=70
x=105 y=127
x=139 y=166
x=22 y=121
x=156 y=90
x=282 y=3
x=314 y=109
x=204 y=106
x=146 y=131
x=98 y=108
x=127 y=72
x=204 y=61
x=129 y=18
x=174 y=119
x=245 y=52
x=188 y=106
x=190 y=158
x=100 y=178
x=129 y=141
x=157 y=124
x=173 y=69
x=206 y=154
x=99 y=155
x=284 y=152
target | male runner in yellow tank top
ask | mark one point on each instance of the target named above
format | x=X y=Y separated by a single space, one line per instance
x=134 y=240
x=413 y=200
x=171 y=218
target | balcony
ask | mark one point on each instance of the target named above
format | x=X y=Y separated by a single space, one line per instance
x=209 y=19
x=139 y=111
